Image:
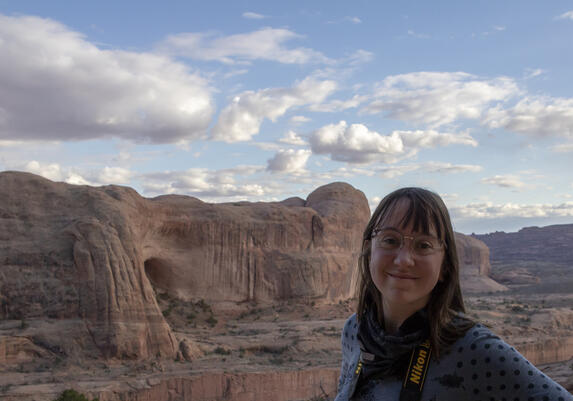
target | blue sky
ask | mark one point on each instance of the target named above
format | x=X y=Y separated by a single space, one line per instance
x=261 y=101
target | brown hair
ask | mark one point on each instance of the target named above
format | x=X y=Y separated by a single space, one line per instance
x=425 y=210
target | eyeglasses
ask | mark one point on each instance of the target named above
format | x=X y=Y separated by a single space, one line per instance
x=391 y=241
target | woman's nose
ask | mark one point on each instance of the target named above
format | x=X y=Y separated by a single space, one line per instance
x=404 y=256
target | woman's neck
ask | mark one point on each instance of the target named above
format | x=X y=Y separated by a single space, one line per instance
x=395 y=316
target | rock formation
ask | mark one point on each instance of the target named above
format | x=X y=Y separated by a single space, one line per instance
x=96 y=257
x=475 y=268
x=541 y=244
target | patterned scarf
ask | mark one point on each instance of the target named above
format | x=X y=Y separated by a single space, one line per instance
x=383 y=354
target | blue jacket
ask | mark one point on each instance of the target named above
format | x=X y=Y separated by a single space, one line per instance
x=478 y=367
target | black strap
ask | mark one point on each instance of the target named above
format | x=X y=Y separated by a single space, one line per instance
x=416 y=374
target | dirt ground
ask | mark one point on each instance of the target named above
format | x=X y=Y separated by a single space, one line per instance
x=294 y=335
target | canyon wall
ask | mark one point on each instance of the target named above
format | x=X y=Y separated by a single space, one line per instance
x=94 y=259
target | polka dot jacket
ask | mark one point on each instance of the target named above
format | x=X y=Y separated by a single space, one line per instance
x=478 y=367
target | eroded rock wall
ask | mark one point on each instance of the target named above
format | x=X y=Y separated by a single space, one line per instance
x=100 y=255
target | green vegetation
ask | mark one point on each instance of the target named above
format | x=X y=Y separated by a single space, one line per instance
x=72 y=395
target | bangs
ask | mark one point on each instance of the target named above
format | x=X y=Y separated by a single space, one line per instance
x=421 y=212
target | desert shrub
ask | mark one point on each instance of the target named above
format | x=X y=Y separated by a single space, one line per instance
x=72 y=395
x=211 y=321
x=222 y=351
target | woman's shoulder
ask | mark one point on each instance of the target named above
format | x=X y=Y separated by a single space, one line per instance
x=349 y=335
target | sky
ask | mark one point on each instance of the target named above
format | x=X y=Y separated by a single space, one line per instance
x=261 y=101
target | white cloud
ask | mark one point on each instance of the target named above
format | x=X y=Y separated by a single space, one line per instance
x=563 y=148
x=533 y=72
x=566 y=15
x=55 y=172
x=252 y=15
x=397 y=171
x=490 y=210
x=207 y=184
x=504 y=181
x=114 y=175
x=241 y=119
x=431 y=139
x=289 y=161
x=438 y=98
x=418 y=35
x=55 y=85
x=295 y=120
x=429 y=167
x=264 y=44
x=540 y=116
x=360 y=56
x=339 y=105
x=354 y=20
x=292 y=138
x=50 y=171
x=357 y=144
x=449 y=168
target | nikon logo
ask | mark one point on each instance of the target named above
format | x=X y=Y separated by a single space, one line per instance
x=418 y=369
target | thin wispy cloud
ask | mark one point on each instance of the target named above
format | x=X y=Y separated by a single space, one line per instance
x=264 y=44
x=252 y=15
x=490 y=210
x=566 y=15
x=504 y=181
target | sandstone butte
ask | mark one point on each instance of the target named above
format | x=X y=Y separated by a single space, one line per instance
x=92 y=259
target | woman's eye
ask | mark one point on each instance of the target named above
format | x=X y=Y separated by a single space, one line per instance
x=390 y=241
x=424 y=244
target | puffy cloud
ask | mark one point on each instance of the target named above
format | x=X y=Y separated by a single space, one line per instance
x=504 y=181
x=438 y=98
x=242 y=119
x=357 y=144
x=566 y=15
x=252 y=15
x=289 y=161
x=55 y=85
x=114 y=175
x=264 y=44
x=535 y=116
x=50 y=171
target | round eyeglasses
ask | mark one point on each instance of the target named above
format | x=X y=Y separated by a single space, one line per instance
x=390 y=240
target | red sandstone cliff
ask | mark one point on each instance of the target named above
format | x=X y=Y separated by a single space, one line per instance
x=91 y=257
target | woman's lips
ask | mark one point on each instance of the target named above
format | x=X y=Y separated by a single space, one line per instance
x=402 y=276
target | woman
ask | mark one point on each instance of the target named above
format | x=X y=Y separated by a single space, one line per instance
x=409 y=339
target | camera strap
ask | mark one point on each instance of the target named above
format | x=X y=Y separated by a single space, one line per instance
x=416 y=374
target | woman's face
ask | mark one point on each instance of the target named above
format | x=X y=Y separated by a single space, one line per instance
x=404 y=278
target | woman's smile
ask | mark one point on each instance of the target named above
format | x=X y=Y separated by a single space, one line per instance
x=401 y=276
